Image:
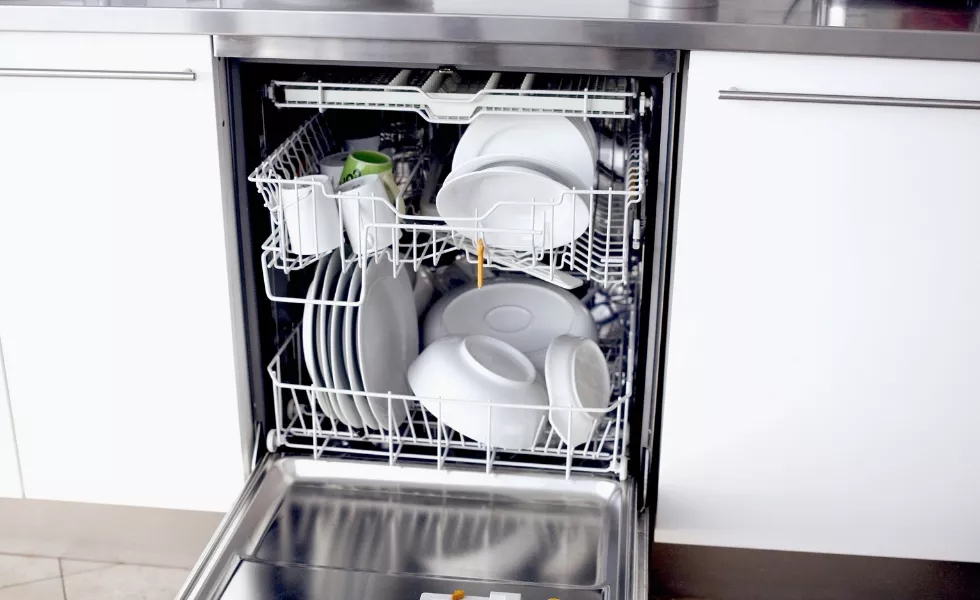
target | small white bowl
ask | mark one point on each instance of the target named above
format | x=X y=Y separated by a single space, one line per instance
x=578 y=377
x=473 y=371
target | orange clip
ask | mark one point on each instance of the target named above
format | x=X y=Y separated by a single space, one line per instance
x=479 y=276
x=457 y=595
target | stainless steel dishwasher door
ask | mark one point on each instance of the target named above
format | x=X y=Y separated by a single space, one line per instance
x=344 y=530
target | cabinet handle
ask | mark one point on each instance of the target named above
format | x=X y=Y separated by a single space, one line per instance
x=187 y=75
x=852 y=100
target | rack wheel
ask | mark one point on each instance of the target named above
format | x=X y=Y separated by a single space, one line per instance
x=272 y=440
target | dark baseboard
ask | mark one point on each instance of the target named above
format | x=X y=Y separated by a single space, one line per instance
x=680 y=571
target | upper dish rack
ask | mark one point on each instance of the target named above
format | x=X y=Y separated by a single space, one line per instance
x=602 y=254
x=447 y=96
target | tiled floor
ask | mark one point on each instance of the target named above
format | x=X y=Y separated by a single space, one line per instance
x=42 y=578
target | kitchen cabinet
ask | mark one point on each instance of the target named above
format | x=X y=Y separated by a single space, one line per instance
x=116 y=314
x=9 y=468
x=821 y=386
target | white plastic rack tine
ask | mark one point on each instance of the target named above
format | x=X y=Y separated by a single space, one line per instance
x=459 y=97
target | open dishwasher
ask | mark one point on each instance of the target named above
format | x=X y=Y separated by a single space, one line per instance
x=401 y=504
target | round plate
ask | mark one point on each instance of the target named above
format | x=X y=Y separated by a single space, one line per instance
x=558 y=214
x=387 y=337
x=554 y=138
x=525 y=314
x=325 y=400
x=309 y=340
x=346 y=408
x=350 y=353
x=590 y=138
x=545 y=167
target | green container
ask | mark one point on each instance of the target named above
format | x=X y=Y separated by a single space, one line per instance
x=364 y=162
x=368 y=162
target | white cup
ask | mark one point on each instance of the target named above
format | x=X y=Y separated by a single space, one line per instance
x=332 y=166
x=366 y=203
x=313 y=225
x=365 y=143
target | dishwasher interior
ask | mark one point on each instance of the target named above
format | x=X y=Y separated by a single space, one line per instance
x=395 y=500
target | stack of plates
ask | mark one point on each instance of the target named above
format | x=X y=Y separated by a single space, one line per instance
x=516 y=175
x=363 y=348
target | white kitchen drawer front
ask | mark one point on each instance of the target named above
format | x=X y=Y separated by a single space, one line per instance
x=836 y=76
x=117 y=320
x=820 y=391
x=107 y=53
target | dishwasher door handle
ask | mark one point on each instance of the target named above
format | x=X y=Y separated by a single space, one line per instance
x=734 y=94
x=186 y=75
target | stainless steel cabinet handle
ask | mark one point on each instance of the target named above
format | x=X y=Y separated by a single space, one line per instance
x=187 y=75
x=853 y=100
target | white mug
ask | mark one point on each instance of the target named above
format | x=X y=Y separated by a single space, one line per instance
x=313 y=225
x=365 y=143
x=332 y=166
x=365 y=203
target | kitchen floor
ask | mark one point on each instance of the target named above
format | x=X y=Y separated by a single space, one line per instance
x=52 y=550
x=45 y=578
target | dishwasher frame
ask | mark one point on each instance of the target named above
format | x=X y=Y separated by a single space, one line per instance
x=654 y=214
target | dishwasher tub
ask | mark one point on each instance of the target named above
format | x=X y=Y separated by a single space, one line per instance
x=333 y=511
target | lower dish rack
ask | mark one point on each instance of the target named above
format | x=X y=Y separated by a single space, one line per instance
x=302 y=426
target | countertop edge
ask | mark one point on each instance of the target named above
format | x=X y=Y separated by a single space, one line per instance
x=495 y=29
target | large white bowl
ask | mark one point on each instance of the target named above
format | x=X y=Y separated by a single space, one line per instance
x=578 y=377
x=526 y=314
x=555 y=138
x=474 y=371
x=517 y=208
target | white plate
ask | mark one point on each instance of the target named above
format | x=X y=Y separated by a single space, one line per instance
x=542 y=165
x=554 y=138
x=526 y=314
x=346 y=408
x=309 y=341
x=558 y=215
x=329 y=283
x=387 y=337
x=585 y=127
x=350 y=352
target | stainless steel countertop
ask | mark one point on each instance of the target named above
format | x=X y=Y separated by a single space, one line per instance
x=879 y=28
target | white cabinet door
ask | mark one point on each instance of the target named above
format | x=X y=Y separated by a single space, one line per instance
x=822 y=385
x=115 y=313
x=9 y=465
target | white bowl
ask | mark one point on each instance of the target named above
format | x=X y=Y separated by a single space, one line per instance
x=578 y=377
x=526 y=314
x=473 y=371
x=520 y=208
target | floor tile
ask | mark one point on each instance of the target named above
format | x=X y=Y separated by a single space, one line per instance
x=74 y=567
x=24 y=569
x=49 y=589
x=136 y=535
x=125 y=582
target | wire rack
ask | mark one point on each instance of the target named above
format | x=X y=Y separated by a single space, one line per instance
x=301 y=425
x=601 y=254
x=447 y=96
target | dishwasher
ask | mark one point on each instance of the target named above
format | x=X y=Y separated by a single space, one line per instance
x=407 y=507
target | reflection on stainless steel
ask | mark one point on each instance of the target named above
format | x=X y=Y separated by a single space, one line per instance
x=254 y=580
x=479 y=535
x=851 y=100
x=886 y=28
x=391 y=531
